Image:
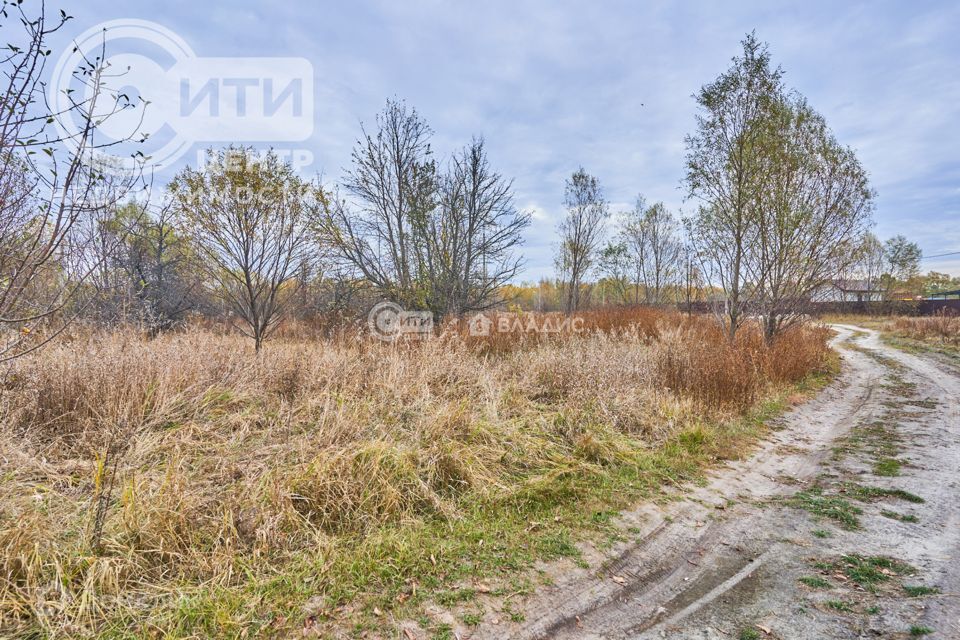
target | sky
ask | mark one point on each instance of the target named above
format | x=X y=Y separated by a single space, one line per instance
x=555 y=85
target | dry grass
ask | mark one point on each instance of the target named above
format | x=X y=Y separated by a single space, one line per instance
x=232 y=489
x=938 y=329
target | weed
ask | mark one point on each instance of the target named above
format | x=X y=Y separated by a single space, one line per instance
x=918 y=591
x=870 y=571
x=472 y=619
x=821 y=533
x=888 y=467
x=839 y=605
x=868 y=494
x=893 y=515
x=815 y=582
x=749 y=633
x=512 y=615
x=449 y=598
x=832 y=507
x=917 y=631
x=443 y=632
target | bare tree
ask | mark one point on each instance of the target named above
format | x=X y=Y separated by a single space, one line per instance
x=248 y=219
x=394 y=183
x=472 y=235
x=724 y=170
x=812 y=213
x=581 y=232
x=693 y=280
x=651 y=236
x=630 y=254
x=50 y=183
x=439 y=242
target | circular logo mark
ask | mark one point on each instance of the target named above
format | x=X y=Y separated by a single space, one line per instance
x=138 y=66
x=384 y=321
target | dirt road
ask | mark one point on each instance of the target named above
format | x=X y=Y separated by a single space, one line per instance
x=846 y=524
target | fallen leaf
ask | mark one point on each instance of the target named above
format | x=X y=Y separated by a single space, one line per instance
x=619 y=580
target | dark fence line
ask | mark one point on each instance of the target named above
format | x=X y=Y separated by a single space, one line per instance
x=890 y=308
x=886 y=308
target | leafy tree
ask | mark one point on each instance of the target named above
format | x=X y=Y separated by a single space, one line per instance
x=724 y=170
x=871 y=263
x=159 y=264
x=935 y=283
x=813 y=212
x=903 y=258
x=617 y=266
x=784 y=207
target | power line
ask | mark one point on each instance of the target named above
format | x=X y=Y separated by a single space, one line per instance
x=941 y=255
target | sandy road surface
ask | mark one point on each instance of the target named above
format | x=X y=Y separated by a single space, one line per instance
x=836 y=488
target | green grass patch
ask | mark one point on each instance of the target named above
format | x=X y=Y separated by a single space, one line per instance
x=815 y=582
x=821 y=533
x=869 y=494
x=871 y=571
x=749 y=633
x=918 y=591
x=902 y=517
x=472 y=619
x=839 y=605
x=887 y=467
x=834 y=508
x=916 y=631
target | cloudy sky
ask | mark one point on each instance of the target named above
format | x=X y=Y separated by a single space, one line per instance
x=553 y=85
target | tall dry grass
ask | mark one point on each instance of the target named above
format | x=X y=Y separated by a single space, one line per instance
x=943 y=328
x=206 y=465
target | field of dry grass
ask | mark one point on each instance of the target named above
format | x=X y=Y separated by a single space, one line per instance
x=943 y=330
x=181 y=487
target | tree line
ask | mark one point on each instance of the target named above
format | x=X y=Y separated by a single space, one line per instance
x=781 y=207
x=781 y=210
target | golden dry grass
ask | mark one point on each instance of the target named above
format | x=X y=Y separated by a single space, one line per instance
x=938 y=329
x=234 y=487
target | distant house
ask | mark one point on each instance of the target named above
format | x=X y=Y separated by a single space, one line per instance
x=849 y=291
